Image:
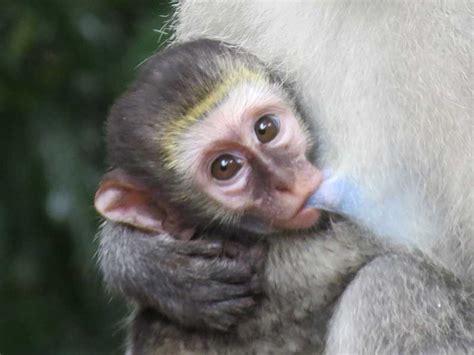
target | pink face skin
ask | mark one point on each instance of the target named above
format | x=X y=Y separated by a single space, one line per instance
x=275 y=178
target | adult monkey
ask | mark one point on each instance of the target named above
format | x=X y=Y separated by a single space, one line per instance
x=359 y=81
x=390 y=85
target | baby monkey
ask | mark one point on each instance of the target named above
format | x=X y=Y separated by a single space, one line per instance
x=209 y=139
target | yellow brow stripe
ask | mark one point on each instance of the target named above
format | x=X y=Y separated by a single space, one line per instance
x=176 y=127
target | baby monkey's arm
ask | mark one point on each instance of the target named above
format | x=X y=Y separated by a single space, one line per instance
x=197 y=283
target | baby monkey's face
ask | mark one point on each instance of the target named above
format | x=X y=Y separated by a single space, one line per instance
x=249 y=155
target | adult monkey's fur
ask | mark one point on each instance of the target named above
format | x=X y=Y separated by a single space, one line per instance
x=390 y=87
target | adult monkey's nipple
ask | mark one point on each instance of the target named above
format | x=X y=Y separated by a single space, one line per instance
x=392 y=214
x=336 y=194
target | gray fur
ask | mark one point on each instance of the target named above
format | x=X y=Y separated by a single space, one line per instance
x=434 y=308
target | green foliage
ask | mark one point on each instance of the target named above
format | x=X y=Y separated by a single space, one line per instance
x=62 y=63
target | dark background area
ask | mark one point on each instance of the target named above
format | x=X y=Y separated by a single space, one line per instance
x=62 y=63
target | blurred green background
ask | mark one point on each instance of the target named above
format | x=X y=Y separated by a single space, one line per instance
x=62 y=63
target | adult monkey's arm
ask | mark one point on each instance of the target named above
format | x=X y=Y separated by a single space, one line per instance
x=424 y=310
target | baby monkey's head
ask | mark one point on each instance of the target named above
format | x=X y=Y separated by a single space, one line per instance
x=207 y=134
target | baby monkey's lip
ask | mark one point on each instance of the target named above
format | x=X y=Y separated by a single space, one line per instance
x=304 y=218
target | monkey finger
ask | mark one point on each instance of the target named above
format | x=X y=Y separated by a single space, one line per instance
x=230 y=271
x=256 y=284
x=237 y=308
x=233 y=250
x=227 y=314
x=201 y=248
x=221 y=322
x=212 y=248
x=257 y=257
x=221 y=292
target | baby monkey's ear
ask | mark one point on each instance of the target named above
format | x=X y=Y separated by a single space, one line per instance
x=124 y=199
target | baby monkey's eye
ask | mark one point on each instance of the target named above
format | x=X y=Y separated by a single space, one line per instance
x=266 y=128
x=225 y=167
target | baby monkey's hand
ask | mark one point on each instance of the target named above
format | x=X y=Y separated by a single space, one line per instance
x=215 y=285
x=208 y=284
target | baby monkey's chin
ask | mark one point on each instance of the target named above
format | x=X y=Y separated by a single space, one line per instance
x=305 y=218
